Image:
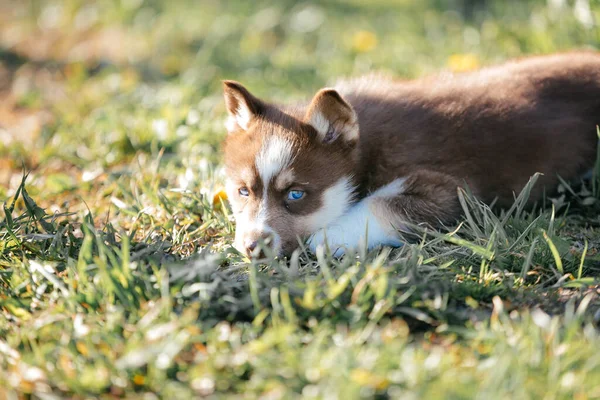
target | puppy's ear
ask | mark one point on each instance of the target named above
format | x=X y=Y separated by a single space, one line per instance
x=242 y=106
x=332 y=117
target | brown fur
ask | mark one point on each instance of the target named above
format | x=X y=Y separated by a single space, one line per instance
x=491 y=130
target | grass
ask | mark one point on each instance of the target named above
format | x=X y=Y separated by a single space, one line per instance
x=117 y=276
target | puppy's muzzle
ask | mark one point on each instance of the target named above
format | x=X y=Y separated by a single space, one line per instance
x=256 y=244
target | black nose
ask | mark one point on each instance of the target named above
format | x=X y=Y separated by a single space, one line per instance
x=252 y=244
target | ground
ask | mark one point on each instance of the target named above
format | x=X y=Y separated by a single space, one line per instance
x=117 y=276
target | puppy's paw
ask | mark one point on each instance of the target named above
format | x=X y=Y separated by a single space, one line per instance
x=332 y=236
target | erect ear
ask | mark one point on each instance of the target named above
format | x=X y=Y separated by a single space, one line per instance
x=241 y=105
x=332 y=117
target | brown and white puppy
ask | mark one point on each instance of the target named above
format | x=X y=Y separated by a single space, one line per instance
x=369 y=155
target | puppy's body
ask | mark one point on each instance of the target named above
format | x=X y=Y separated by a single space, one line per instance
x=492 y=128
x=379 y=153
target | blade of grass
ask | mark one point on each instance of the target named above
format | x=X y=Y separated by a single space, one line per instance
x=554 y=251
x=585 y=249
x=528 y=259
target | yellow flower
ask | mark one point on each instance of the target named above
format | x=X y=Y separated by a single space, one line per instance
x=82 y=348
x=218 y=199
x=463 y=62
x=364 y=41
x=138 y=379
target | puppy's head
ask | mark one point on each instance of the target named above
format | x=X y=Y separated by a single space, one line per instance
x=289 y=170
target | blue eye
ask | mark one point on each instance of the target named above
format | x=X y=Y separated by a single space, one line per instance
x=295 y=194
x=244 y=192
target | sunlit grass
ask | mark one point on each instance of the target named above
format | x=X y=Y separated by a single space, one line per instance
x=117 y=275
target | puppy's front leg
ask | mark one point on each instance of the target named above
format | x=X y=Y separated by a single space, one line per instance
x=365 y=222
x=425 y=197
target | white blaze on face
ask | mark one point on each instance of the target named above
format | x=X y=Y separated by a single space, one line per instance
x=249 y=229
x=275 y=155
x=250 y=223
x=273 y=158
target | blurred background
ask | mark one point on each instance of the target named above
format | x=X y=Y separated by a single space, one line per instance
x=93 y=91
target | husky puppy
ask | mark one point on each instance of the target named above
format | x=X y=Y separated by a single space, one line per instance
x=369 y=156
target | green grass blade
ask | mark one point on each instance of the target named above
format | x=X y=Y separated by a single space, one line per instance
x=554 y=251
